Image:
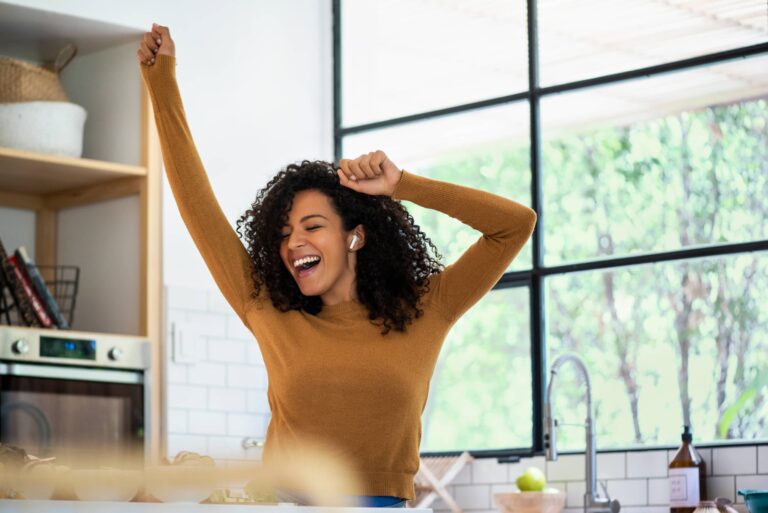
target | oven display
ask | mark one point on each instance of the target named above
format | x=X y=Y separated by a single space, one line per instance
x=77 y=349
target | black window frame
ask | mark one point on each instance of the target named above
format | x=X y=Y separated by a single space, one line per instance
x=534 y=278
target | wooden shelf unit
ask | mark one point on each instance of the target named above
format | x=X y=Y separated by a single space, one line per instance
x=52 y=186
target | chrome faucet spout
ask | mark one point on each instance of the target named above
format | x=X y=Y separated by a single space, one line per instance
x=593 y=503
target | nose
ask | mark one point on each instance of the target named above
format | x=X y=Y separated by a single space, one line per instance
x=295 y=240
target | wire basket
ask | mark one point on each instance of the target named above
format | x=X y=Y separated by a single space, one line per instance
x=63 y=282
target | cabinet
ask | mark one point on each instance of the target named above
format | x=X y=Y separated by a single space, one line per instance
x=101 y=212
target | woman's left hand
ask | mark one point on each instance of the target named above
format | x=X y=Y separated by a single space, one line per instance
x=372 y=174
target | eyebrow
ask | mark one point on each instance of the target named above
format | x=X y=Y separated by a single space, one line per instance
x=309 y=217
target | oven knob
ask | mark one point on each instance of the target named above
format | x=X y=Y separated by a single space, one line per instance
x=115 y=353
x=20 y=346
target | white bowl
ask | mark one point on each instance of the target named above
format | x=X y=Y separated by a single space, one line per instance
x=45 y=127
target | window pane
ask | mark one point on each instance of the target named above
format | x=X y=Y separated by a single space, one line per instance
x=480 y=395
x=657 y=164
x=406 y=56
x=665 y=344
x=579 y=40
x=486 y=149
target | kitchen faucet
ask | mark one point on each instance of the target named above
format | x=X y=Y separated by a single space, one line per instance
x=593 y=503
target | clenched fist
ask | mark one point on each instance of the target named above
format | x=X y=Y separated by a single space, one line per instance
x=371 y=174
x=156 y=42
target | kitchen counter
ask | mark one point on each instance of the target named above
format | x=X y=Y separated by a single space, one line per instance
x=25 y=506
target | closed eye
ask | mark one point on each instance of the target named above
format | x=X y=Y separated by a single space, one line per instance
x=315 y=227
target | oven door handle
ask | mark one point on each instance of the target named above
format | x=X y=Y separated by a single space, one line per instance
x=74 y=373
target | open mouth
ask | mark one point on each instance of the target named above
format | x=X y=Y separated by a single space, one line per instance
x=307 y=268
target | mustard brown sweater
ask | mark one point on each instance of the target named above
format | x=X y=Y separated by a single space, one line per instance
x=333 y=376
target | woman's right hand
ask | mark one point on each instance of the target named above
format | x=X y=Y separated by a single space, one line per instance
x=156 y=42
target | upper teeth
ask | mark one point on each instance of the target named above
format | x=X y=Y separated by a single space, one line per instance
x=305 y=260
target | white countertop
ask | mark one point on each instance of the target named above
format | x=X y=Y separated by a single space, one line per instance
x=25 y=506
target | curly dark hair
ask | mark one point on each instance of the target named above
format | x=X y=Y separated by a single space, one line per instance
x=392 y=267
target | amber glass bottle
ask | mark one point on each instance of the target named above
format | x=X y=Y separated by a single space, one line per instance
x=687 y=477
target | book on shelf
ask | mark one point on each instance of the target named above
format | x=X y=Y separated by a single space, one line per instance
x=10 y=282
x=34 y=299
x=39 y=286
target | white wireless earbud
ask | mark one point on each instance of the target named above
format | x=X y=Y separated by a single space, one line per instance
x=355 y=238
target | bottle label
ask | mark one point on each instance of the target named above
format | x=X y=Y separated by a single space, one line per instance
x=684 y=487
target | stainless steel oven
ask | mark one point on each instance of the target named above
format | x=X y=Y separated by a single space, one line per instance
x=66 y=392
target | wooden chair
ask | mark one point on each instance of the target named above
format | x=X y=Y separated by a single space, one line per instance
x=435 y=472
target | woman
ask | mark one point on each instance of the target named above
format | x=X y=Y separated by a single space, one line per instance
x=337 y=285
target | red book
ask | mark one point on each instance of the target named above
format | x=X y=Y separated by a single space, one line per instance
x=37 y=304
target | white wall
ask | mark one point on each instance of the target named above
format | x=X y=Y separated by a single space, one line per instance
x=256 y=80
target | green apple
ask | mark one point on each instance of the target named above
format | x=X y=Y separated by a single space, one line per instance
x=532 y=480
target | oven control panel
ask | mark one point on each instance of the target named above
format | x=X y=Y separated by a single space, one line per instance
x=80 y=348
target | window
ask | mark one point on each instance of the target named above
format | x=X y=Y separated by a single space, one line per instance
x=637 y=130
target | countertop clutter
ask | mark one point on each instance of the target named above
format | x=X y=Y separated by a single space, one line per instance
x=10 y=506
x=89 y=482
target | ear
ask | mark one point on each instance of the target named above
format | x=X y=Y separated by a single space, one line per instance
x=356 y=239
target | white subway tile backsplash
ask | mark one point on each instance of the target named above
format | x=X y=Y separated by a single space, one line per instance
x=205 y=373
x=502 y=488
x=207 y=324
x=207 y=423
x=734 y=460
x=645 y=509
x=489 y=470
x=174 y=315
x=611 y=465
x=557 y=485
x=751 y=483
x=245 y=424
x=257 y=402
x=186 y=396
x=537 y=461
x=630 y=492
x=176 y=373
x=185 y=298
x=574 y=494
x=473 y=496
x=762 y=459
x=721 y=486
x=706 y=455
x=236 y=330
x=254 y=353
x=463 y=477
x=229 y=351
x=226 y=447
x=194 y=443
x=658 y=491
x=514 y=470
x=647 y=464
x=226 y=399
x=568 y=467
x=177 y=421
x=186 y=345
x=217 y=303
x=245 y=376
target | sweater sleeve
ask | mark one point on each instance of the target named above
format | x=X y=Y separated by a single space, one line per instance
x=505 y=225
x=217 y=241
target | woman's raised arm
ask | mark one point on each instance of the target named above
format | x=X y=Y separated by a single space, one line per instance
x=224 y=254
